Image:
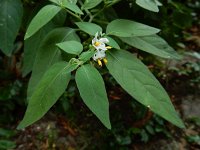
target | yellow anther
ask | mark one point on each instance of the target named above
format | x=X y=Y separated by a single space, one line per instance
x=97 y=43
x=108 y=47
x=99 y=62
x=105 y=61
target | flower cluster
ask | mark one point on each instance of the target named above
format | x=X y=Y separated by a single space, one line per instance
x=99 y=44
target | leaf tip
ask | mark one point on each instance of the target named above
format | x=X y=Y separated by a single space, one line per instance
x=26 y=36
x=158 y=30
x=109 y=127
x=58 y=45
x=183 y=126
x=180 y=124
x=20 y=126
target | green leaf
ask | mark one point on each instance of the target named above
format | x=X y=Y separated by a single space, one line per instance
x=88 y=4
x=150 y=129
x=6 y=145
x=69 y=4
x=7 y=133
x=158 y=3
x=71 y=47
x=48 y=54
x=31 y=46
x=151 y=5
x=88 y=27
x=140 y=83
x=93 y=92
x=60 y=2
x=85 y=56
x=193 y=139
x=59 y=19
x=128 y=28
x=42 y=18
x=112 y=43
x=11 y=15
x=50 y=88
x=152 y=44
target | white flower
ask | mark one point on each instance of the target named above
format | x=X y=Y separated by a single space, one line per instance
x=99 y=44
x=99 y=55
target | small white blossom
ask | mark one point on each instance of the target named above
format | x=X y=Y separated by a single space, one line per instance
x=99 y=55
x=99 y=44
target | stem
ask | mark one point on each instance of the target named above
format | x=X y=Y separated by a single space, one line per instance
x=113 y=3
x=87 y=11
x=91 y=18
x=99 y=21
x=76 y=16
x=98 y=13
x=103 y=10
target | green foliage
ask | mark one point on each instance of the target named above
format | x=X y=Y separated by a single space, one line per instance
x=92 y=90
x=193 y=139
x=156 y=125
x=112 y=43
x=42 y=18
x=53 y=56
x=85 y=56
x=6 y=133
x=195 y=120
x=134 y=77
x=91 y=4
x=11 y=98
x=89 y=28
x=6 y=144
x=151 y=5
x=152 y=44
x=127 y=28
x=11 y=16
x=32 y=44
x=48 y=54
x=31 y=47
x=69 y=5
x=71 y=47
x=47 y=92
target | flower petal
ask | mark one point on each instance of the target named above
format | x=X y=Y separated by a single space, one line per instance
x=99 y=55
x=102 y=47
x=103 y=40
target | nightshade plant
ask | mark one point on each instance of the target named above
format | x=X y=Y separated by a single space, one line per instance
x=54 y=56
